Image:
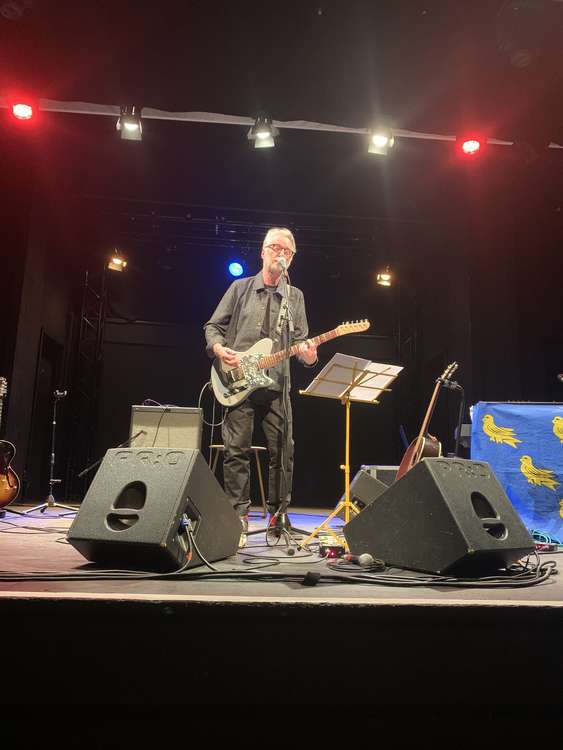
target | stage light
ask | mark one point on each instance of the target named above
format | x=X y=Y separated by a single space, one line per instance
x=22 y=111
x=380 y=141
x=236 y=268
x=22 y=108
x=384 y=278
x=117 y=262
x=470 y=145
x=263 y=132
x=129 y=124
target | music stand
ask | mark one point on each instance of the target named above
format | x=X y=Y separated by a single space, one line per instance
x=348 y=379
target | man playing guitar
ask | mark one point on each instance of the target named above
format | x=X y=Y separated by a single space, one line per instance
x=253 y=308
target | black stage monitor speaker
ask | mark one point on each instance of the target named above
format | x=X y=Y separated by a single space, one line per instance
x=135 y=512
x=446 y=516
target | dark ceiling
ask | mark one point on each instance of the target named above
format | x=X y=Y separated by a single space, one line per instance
x=435 y=65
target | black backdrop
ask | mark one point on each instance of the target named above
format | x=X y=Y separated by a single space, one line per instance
x=476 y=252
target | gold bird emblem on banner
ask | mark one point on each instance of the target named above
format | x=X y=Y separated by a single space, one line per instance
x=504 y=435
x=558 y=427
x=540 y=477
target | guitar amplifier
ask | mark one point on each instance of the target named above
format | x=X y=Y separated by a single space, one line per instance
x=385 y=474
x=166 y=427
x=364 y=489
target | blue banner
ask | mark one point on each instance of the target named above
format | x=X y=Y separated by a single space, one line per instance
x=523 y=443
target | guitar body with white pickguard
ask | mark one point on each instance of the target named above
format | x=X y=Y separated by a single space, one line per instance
x=233 y=384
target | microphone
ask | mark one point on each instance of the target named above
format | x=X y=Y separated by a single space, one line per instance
x=365 y=560
x=283 y=264
x=453 y=385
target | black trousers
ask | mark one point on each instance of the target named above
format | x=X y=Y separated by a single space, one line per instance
x=266 y=408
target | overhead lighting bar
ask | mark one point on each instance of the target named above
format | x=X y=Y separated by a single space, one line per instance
x=149 y=113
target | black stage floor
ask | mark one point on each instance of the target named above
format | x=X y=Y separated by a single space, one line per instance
x=226 y=641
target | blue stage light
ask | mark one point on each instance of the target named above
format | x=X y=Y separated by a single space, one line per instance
x=236 y=269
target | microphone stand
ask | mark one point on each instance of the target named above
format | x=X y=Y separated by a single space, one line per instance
x=454 y=386
x=459 y=420
x=286 y=334
x=50 y=501
x=286 y=529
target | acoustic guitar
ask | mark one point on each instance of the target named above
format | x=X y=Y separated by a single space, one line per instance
x=425 y=445
x=231 y=385
x=9 y=480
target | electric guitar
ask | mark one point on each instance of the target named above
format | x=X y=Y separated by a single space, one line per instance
x=424 y=445
x=9 y=481
x=231 y=385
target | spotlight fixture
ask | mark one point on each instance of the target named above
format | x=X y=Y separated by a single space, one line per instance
x=380 y=141
x=384 y=278
x=117 y=262
x=129 y=123
x=236 y=268
x=22 y=111
x=263 y=132
x=470 y=145
x=22 y=108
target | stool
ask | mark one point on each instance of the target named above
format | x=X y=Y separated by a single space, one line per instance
x=214 y=451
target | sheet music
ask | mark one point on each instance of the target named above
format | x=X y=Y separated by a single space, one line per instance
x=334 y=380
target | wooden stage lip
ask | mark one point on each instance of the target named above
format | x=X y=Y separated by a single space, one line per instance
x=254 y=642
x=286 y=601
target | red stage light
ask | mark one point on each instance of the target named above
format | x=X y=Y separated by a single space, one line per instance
x=22 y=111
x=471 y=146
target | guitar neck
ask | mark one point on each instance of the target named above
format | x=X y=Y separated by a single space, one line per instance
x=429 y=412
x=274 y=359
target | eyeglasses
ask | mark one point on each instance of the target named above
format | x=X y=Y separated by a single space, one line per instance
x=281 y=250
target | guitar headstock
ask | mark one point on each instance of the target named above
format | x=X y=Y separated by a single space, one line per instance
x=448 y=372
x=3 y=387
x=354 y=326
